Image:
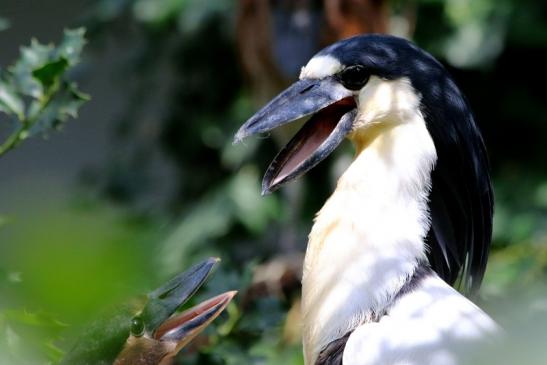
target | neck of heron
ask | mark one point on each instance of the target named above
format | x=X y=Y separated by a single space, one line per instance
x=368 y=238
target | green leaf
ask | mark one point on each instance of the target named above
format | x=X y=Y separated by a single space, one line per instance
x=28 y=336
x=40 y=73
x=10 y=102
x=36 y=319
x=255 y=214
x=52 y=352
x=64 y=104
x=32 y=57
x=157 y=11
x=209 y=219
x=39 y=66
x=4 y=24
x=50 y=72
x=72 y=45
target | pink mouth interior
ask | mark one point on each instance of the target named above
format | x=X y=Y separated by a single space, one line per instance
x=313 y=134
x=220 y=301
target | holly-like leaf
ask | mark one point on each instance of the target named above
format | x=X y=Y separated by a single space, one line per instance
x=50 y=72
x=10 y=102
x=32 y=58
x=39 y=77
x=72 y=45
x=64 y=104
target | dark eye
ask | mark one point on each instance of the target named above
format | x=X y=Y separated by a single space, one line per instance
x=353 y=77
x=137 y=326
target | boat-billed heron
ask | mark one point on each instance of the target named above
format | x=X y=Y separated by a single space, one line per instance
x=147 y=331
x=409 y=218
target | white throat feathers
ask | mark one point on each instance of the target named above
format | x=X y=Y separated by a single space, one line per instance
x=370 y=235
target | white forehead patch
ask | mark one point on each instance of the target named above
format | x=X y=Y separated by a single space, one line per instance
x=319 y=67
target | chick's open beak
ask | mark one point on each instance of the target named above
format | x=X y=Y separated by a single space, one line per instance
x=157 y=334
x=182 y=328
x=164 y=301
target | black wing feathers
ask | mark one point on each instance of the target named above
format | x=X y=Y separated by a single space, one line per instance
x=461 y=197
x=333 y=353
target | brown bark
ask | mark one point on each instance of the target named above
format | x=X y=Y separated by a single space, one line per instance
x=346 y=18
x=253 y=42
x=256 y=39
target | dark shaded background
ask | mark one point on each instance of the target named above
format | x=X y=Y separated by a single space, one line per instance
x=146 y=180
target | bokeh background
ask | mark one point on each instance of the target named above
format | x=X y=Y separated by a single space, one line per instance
x=146 y=181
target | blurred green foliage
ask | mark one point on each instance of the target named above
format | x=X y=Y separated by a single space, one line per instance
x=74 y=261
x=35 y=92
x=4 y=24
x=67 y=269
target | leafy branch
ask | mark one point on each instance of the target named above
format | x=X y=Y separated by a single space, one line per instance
x=35 y=92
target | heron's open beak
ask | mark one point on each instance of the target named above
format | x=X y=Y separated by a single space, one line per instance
x=333 y=108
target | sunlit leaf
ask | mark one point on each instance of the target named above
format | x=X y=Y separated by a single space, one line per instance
x=36 y=319
x=4 y=24
x=196 y=13
x=39 y=79
x=106 y=10
x=32 y=57
x=27 y=335
x=157 y=11
x=50 y=72
x=71 y=46
x=254 y=213
x=10 y=102
x=208 y=219
x=64 y=104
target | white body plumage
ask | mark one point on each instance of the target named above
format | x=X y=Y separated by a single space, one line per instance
x=369 y=237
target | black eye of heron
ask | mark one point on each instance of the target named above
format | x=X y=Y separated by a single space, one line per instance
x=137 y=326
x=353 y=77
